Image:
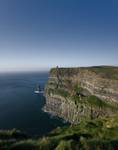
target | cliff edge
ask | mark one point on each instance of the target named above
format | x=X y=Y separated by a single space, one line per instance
x=81 y=93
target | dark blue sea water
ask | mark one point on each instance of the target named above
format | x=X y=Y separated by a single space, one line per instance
x=20 y=107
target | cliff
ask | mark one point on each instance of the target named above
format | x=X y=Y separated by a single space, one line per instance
x=80 y=93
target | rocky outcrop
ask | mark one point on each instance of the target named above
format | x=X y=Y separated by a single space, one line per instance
x=80 y=93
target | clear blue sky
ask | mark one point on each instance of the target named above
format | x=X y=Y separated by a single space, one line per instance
x=39 y=34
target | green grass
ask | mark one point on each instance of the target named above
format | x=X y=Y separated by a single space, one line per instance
x=101 y=134
x=110 y=72
x=94 y=102
x=67 y=145
x=62 y=92
x=88 y=134
x=15 y=134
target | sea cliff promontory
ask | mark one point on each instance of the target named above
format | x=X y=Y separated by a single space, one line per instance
x=82 y=93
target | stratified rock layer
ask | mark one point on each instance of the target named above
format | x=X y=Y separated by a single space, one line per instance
x=80 y=93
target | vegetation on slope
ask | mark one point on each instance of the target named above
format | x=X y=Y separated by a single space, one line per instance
x=99 y=134
x=106 y=71
x=110 y=72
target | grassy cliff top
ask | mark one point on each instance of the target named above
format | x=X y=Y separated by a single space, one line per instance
x=96 y=134
x=110 y=72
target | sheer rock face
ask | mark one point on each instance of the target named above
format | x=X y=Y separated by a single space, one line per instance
x=66 y=83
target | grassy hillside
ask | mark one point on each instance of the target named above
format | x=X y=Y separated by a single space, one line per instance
x=99 y=134
x=106 y=71
x=110 y=72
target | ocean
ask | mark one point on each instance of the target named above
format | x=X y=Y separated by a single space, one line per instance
x=21 y=108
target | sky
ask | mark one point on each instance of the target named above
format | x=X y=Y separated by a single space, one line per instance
x=40 y=34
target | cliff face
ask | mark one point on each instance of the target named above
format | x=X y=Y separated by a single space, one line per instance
x=80 y=93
